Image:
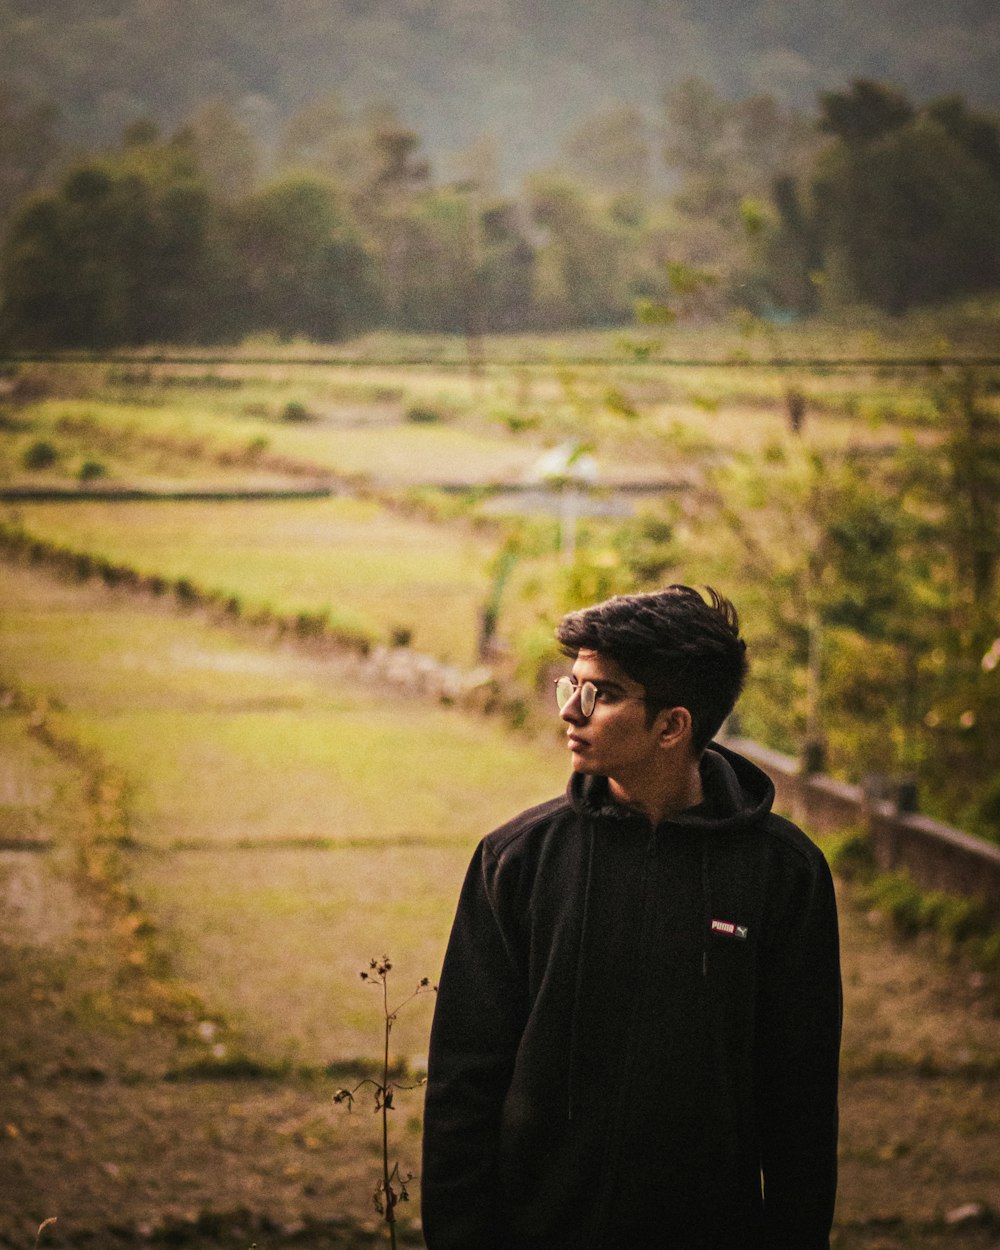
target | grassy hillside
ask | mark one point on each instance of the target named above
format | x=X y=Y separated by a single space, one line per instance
x=266 y=795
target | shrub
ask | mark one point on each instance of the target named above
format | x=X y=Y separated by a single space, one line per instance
x=186 y=592
x=422 y=415
x=90 y=470
x=40 y=455
x=849 y=854
x=295 y=411
x=914 y=910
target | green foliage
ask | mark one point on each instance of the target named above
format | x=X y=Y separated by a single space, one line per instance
x=909 y=218
x=41 y=454
x=91 y=470
x=422 y=414
x=971 y=470
x=300 y=265
x=293 y=411
x=178 y=239
x=849 y=854
x=960 y=924
x=581 y=273
x=118 y=255
x=914 y=910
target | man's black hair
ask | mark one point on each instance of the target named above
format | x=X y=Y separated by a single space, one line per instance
x=684 y=651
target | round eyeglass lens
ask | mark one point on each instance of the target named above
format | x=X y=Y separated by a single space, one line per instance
x=566 y=688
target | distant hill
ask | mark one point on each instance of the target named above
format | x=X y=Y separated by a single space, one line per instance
x=524 y=71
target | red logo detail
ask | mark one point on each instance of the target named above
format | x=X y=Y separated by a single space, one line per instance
x=728 y=929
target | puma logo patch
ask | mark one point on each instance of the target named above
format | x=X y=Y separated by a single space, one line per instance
x=728 y=929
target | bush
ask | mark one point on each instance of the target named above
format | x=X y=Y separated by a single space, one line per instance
x=90 y=470
x=849 y=855
x=914 y=910
x=422 y=415
x=40 y=455
x=295 y=411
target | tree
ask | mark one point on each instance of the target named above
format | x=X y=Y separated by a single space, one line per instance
x=117 y=255
x=324 y=138
x=695 y=122
x=729 y=156
x=868 y=111
x=610 y=151
x=506 y=268
x=837 y=560
x=785 y=250
x=435 y=262
x=227 y=154
x=908 y=216
x=304 y=270
x=28 y=147
x=580 y=270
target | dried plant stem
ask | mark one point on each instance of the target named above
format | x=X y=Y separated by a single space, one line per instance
x=390 y=1196
x=391 y=1189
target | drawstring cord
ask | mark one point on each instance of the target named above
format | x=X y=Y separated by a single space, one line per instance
x=706 y=894
x=580 y=955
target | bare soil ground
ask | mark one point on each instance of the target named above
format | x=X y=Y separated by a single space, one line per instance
x=110 y=1124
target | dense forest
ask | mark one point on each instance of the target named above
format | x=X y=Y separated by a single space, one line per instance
x=190 y=237
x=196 y=173
x=524 y=72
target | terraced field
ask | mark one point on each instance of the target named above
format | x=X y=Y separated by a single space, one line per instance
x=207 y=827
x=201 y=849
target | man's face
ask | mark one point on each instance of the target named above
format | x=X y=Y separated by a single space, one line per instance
x=615 y=740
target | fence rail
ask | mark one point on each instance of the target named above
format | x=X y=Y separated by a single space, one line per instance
x=457 y=360
x=937 y=856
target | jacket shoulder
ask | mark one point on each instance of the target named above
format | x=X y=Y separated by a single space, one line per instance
x=523 y=828
x=791 y=843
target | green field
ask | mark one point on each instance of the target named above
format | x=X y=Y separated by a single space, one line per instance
x=286 y=819
x=362 y=562
x=402 y=426
x=233 y=816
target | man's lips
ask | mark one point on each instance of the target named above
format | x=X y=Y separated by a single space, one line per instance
x=575 y=742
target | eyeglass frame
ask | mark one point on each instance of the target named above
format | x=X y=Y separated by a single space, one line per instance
x=570 y=687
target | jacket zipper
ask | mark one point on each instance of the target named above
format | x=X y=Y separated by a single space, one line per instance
x=612 y=1156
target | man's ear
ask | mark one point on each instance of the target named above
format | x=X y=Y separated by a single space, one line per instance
x=675 y=726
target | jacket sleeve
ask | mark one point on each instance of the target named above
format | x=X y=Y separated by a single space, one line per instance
x=798 y=1051
x=478 y=1021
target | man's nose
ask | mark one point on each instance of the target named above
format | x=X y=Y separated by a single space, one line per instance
x=571 y=710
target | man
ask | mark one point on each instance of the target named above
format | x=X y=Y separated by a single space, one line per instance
x=637 y=1031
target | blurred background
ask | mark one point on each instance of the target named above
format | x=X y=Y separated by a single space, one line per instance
x=343 y=349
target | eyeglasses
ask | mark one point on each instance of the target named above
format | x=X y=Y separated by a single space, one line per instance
x=566 y=688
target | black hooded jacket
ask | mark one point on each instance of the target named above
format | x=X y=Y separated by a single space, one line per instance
x=633 y=1027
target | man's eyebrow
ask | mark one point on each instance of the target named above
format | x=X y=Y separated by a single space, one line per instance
x=612 y=687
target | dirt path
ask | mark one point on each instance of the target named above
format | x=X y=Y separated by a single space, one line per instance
x=105 y=1125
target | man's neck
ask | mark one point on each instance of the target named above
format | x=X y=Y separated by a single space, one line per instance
x=661 y=798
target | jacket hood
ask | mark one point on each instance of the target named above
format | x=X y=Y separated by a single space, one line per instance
x=736 y=794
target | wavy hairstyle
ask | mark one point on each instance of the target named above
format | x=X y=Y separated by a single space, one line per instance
x=684 y=650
